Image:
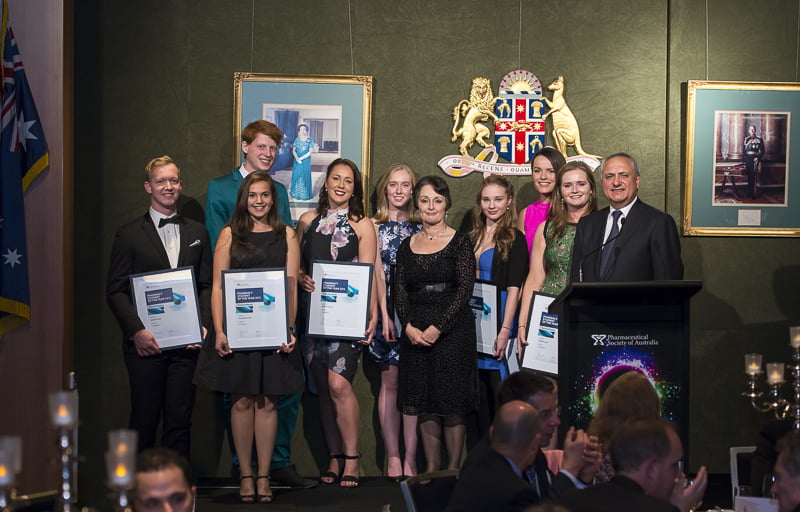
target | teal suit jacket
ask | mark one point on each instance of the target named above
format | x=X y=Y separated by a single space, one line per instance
x=221 y=198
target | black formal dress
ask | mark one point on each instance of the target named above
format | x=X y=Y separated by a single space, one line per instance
x=646 y=249
x=435 y=289
x=159 y=384
x=253 y=372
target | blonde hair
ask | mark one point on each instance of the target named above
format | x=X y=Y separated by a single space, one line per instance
x=630 y=396
x=155 y=163
x=382 y=210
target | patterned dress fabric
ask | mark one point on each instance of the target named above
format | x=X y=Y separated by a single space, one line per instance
x=330 y=238
x=390 y=235
x=557 y=258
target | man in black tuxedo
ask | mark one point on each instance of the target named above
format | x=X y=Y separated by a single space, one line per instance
x=629 y=240
x=581 y=452
x=160 y=381
x=646 y=454
x=495 y=481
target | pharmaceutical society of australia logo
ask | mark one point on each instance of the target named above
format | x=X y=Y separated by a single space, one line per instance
x=614 y=340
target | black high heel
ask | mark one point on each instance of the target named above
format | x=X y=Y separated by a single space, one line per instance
x=263 y=498
x=352 y=480
x=330 y=477
x=246 y=498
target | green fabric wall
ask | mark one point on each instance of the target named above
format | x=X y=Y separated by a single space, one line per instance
x=156 y=77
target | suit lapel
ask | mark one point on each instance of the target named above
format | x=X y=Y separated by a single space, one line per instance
x=184 y=243
x=154 y=240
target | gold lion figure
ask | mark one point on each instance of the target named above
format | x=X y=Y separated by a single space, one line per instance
x=565 y=126
x=480 y=107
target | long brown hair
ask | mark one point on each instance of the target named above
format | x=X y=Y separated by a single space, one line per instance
x=382 y=211
x=241 y=222
x=558 y=215
x=356 y=202
x=505 y=232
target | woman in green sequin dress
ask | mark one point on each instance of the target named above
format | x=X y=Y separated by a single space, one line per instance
x=574 y=197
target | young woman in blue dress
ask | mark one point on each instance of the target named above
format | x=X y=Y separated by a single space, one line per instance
x=501 y=254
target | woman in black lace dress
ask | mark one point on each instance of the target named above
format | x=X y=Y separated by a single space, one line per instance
x=438 y=370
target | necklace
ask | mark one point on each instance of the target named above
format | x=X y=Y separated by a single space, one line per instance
x=425 y=234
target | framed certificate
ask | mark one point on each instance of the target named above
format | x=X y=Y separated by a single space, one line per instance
x=166 y=302
x=486 y=311
x=541 y=354
x=256 y=308
x=340 y=301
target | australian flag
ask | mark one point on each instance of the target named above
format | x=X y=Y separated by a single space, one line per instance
x=23 y=155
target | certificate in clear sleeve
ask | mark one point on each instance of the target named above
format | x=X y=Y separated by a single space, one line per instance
x=166 y=302
x=485 y=308
x=340 y=301
x=256 y=308
x=541 y=354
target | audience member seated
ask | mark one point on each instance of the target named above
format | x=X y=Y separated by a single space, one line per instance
x=581 y=452
x=787 y=473
x=162 y=482
x=495 y=481
x=646 y=453
x=630 y=396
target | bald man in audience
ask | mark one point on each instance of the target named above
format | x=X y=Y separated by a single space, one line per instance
x=787 y=473
x=495 y=481
x=162 y=482
x=646 y=454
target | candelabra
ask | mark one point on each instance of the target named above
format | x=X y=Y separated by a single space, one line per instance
x=64 y=416
x=121 y=466
x=10 y=466
x=781 y=407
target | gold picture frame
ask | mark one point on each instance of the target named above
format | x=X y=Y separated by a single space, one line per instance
x=738 y=159
x=336 y=111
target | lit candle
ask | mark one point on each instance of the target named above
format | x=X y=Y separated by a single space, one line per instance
x=64 y=408
x=775 y=373
x=6 y=476
x=752 y=364
x=794 y=336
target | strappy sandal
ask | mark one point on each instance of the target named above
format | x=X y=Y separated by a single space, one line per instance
x=246 y=498
x=351 y=481
x=330 y=477
x=264 y=498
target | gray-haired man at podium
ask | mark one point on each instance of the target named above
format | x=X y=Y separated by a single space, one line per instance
x=629 y=240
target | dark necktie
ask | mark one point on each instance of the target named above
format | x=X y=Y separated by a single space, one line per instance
x=175 y=219
x=612 y=238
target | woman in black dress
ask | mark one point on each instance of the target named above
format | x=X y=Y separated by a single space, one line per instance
x=254 y=238
x=438 y=370
x=338 y=231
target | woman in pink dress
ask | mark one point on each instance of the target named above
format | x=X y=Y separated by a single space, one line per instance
x=544 y=166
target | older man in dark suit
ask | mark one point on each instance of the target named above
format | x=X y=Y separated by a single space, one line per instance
x=495 y=481
x=629 y=240
x=646 y=454
x=160 y=381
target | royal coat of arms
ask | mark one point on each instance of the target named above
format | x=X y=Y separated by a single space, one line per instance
x=519 y=113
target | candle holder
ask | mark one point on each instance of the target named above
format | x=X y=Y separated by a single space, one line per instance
x=121 y=466
x=776 y=376
x=64 y=417
x=10 y=466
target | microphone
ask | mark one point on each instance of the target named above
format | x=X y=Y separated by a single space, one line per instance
x=610 y=239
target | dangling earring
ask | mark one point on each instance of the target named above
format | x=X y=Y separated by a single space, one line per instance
x=563 y=204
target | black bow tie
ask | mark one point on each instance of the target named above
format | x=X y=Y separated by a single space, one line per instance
x=175 y=219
